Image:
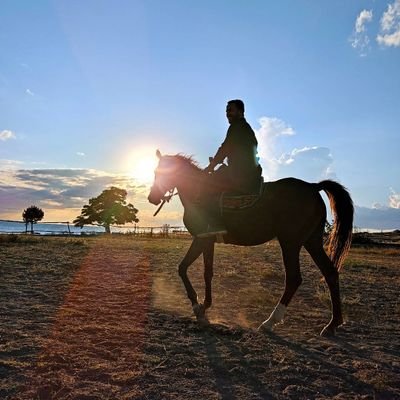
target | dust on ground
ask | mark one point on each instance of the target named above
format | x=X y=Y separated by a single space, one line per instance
x=108 y=318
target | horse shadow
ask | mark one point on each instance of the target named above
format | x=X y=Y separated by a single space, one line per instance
x=244 y=363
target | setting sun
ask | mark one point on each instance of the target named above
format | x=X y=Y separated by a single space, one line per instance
x=143 y=164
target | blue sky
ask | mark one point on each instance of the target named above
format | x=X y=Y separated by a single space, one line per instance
x=89 y=90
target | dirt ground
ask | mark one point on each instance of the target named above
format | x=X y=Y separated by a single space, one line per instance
x=108 y=318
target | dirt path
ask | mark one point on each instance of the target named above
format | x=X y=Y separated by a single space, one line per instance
x=121 y=326
x=95 y=344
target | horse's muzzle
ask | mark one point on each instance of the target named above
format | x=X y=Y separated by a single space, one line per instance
x=153 y=200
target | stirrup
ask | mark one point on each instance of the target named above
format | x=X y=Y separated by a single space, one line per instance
x=219 y=232
x=212 y=233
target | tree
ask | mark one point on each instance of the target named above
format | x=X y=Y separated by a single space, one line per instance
x=32 y=215
x=107 y=209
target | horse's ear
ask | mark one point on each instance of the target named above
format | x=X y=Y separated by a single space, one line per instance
x=158 y=153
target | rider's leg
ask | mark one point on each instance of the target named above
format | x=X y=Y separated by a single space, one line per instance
x=215 y=184
x=215 y=224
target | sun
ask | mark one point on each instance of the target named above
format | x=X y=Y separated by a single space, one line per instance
x=143 y=165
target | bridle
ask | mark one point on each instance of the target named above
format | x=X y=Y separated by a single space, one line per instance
x=165 y=199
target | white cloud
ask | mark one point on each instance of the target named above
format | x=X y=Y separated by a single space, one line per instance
x=377 y=218
x=364 y=17
x=393 y=202
x=273 y=127
x=390 y=26
x=394 y=199
x=359 y=38
x=79 y=153
x=309 y=163
x=270 y=129
x=9 y=164
x=6 y=135
x=389 y=40
x=390 y=16
x=379 y=206
x=29 y=92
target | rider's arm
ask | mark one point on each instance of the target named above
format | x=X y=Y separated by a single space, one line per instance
x=223 y=150
x=217 y=159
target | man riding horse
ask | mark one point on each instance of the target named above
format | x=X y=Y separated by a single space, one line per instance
x=242 y=175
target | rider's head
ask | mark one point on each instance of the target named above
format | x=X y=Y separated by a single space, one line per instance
x=234 y=110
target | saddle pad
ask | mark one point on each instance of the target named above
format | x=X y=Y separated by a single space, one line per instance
x=238 y=202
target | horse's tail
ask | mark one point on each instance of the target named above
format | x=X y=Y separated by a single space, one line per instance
x=343 y=211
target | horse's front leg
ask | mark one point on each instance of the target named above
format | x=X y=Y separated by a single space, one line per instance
x=195 y=249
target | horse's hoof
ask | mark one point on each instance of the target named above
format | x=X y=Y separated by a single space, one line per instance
x=266 y=326
x=328 y=331
x=199 y=311
x=203 y=322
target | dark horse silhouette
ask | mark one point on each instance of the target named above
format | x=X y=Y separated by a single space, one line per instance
x=289 y=209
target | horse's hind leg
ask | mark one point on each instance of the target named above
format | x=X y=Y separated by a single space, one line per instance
x=208 y=256
x=315 y=247
x=293 y=280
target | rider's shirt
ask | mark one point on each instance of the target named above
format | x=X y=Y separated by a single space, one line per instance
x=240 y=149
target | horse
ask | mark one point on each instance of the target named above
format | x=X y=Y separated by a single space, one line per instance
x=290 y=210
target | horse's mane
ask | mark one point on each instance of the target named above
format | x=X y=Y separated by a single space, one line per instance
x=187 y=160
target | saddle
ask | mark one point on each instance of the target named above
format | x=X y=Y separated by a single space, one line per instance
x=231 y=201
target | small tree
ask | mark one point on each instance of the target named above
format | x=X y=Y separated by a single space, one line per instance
x=107 y=209
x=32 y=215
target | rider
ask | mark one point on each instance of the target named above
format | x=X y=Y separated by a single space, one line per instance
x=243 y=173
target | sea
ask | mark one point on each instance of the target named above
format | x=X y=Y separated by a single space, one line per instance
x=65 y=228
x=59 y=228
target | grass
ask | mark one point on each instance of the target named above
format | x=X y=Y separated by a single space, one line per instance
x=108 y=317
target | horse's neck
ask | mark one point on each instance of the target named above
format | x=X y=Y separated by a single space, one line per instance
x=189 y=186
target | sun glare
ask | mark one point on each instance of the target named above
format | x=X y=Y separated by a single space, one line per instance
x=143 y=165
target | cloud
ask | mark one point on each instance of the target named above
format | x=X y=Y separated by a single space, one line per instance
x=394 y=199
x=69 y=187
x=64 y=191
x=10 y=164
x=364 y=17
x=80 y=154
x=311 y=163
x=390 y=26
x=271 y=128
x=359 y=38
x=6 y=135
x=377 y=218
x=274 y=127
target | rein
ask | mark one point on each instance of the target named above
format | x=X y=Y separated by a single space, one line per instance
x=166 y=199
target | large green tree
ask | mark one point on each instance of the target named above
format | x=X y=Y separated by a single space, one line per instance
x=31 y=215
x=109 y=208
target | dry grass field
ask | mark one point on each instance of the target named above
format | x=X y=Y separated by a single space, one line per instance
x=108 y=318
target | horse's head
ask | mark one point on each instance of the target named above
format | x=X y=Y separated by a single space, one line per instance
x=164 y=178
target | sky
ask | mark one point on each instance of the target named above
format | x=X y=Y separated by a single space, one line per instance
x=89 y=90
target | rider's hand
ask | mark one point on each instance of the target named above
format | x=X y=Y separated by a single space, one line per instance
x=211 y=165
x=210 y=168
